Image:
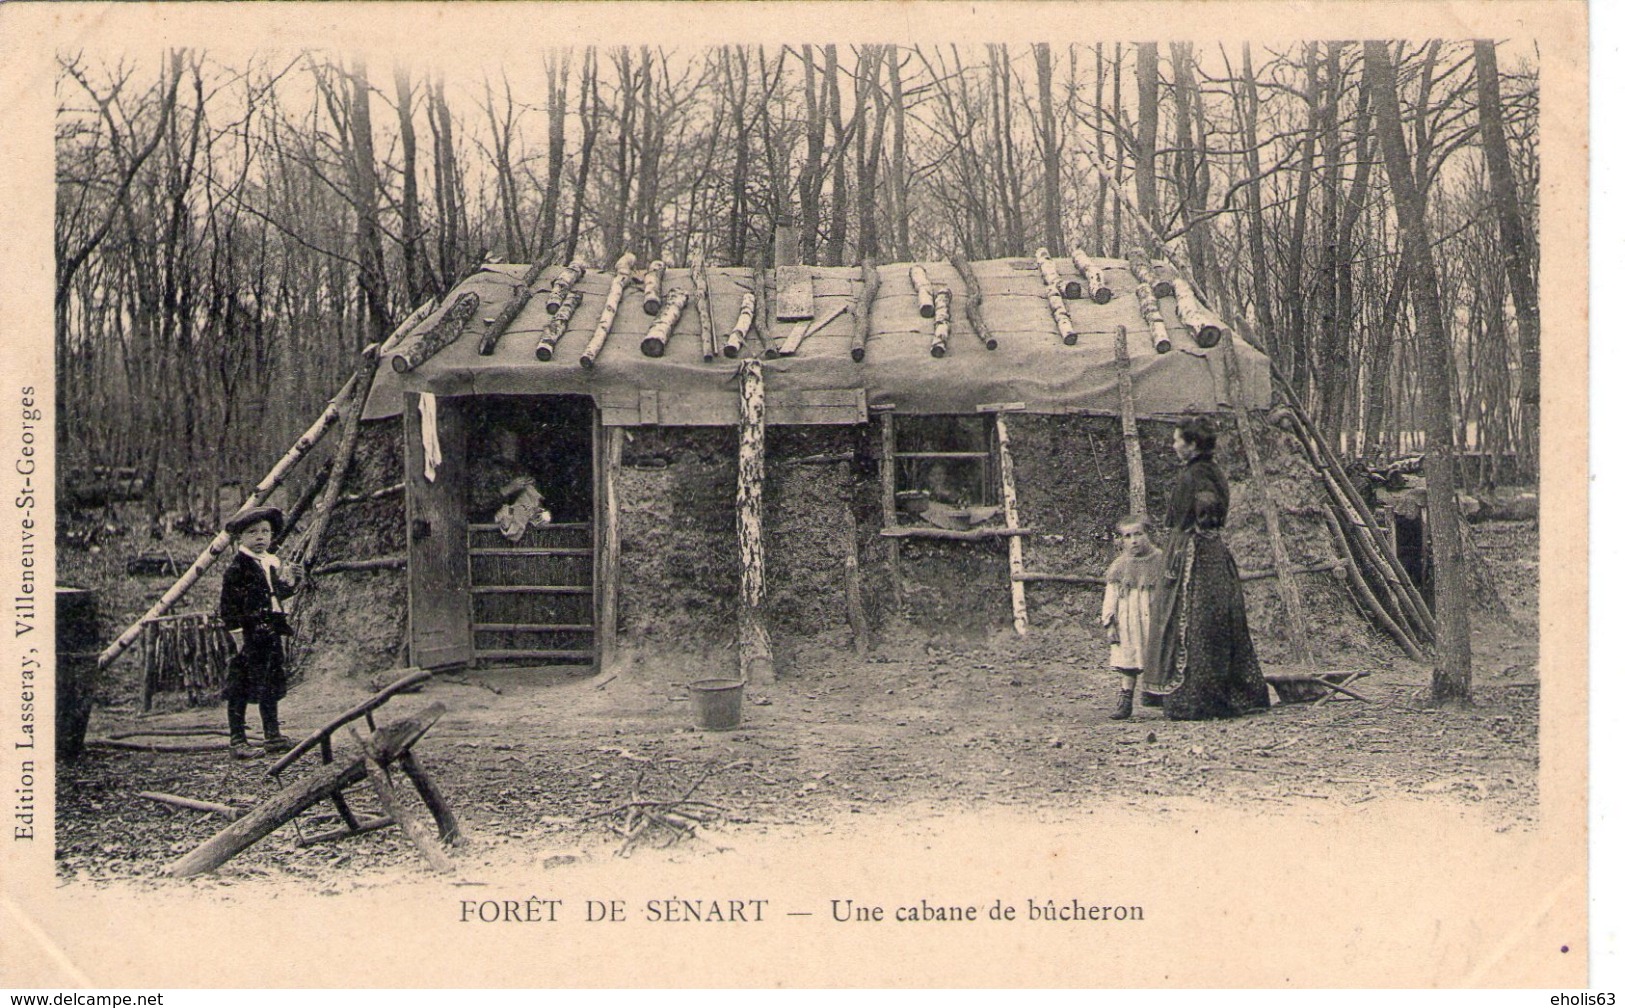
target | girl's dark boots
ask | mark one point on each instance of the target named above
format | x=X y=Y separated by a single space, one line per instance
x=1125 y=705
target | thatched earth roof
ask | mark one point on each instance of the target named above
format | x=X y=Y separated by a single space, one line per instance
x=1031 y=364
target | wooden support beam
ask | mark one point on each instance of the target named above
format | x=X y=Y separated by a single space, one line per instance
x=862 y=309
x=548 y=342
x=1007 y=485
x=942 y=321
x=443 y=334
x=609 y=546
x=222 y=539
x=888 y=503
x=407 y=818
x=429 y=791
x=1094 y=277
x=958 y=535
x=563 y=284
x=353 y=566
x=654 y=280
x=393 y=490
x=308 y=548
x=923 y=292
x=755 y=648
x=1131 y=426
x=801 y=332
x=973 y=301
x=856 y=618
x=498 y=324
x=702 y=307
x=654 y=341
x=612 y=305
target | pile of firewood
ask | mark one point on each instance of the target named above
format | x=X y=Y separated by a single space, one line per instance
x=658 y=821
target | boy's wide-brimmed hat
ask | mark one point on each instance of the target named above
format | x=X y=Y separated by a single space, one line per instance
x=264 y=512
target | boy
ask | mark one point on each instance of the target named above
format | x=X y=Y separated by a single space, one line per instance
x=251 y=594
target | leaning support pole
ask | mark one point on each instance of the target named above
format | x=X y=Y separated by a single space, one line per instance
x=222 y=540
x=1007 y=484
x=1131 y=426
x=755 y=649
x=310 y=544
x=1297 y=626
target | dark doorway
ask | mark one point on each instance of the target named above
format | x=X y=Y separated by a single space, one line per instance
x=531 y=583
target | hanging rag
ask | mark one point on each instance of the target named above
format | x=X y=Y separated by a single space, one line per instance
x=523 y=510
x=431 y=436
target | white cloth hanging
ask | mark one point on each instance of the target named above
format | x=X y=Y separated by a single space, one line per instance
x=431 y=436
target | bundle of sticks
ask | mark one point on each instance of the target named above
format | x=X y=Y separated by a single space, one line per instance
x=658 y=821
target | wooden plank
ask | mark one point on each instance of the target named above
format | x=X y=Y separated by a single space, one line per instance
x=962 y=535
x=793 y=288
x=1131 y=427
x=1007 y=485
x=649 y=407
x=437 y=539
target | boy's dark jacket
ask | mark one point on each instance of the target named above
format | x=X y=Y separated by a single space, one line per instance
x=245 y=600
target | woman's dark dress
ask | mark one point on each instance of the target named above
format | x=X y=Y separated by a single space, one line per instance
x=256 y=674
x=1201 y=661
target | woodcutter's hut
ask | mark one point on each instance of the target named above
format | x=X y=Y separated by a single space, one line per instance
x=741 y=463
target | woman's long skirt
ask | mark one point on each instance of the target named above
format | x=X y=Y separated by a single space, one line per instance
x=1201 y=661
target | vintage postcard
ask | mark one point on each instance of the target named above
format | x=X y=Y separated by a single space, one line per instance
x=794 y=495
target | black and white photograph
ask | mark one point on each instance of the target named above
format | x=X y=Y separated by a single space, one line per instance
x=667 y=495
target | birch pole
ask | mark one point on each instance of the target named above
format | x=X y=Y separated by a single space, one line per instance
x=612 y=304
x=1007 y=484
x=755 y=648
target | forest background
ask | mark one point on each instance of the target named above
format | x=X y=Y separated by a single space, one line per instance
x=230 y=232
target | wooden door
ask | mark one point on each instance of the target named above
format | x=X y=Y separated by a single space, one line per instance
x=437 y=539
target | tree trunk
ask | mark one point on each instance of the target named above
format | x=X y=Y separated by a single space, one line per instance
x=1452 y=671
x=755 y=648
x=1049 y=149
x=417 y=286
x=899 y=161
x=1145 y=146
x=1516 y=251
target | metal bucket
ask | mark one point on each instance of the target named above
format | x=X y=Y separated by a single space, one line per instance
x=716 y=703
x=76 y=669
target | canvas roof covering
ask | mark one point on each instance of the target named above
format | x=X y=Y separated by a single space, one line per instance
x=821 y=382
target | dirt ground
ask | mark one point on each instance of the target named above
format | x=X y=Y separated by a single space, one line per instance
x=1002 y=724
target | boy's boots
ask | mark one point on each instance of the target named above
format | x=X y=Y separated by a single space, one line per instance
x=275 y=742
x=237 y=727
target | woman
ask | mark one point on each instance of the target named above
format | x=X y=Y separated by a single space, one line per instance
x=1201 y=661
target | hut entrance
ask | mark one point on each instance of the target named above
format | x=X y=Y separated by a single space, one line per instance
x=530 y=531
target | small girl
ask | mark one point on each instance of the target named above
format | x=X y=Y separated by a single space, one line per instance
x=251 y=594
x=1131 y=580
